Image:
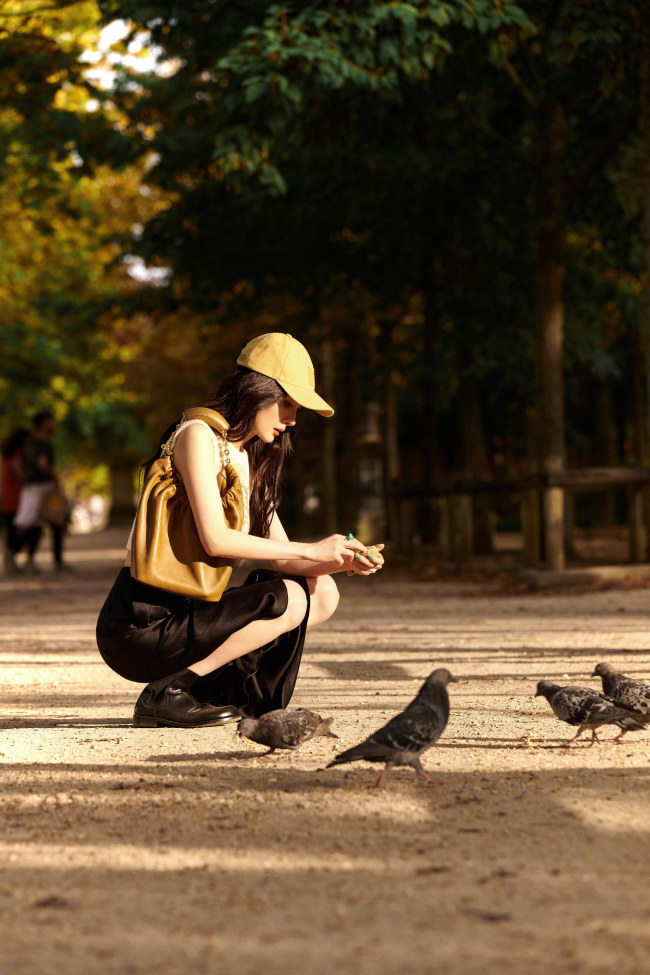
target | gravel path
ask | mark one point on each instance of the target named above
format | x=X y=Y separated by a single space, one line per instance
x=157 y=850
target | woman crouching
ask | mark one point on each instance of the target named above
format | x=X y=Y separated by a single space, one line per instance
x=207 y=662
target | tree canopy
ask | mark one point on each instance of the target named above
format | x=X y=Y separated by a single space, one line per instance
x=432 y=195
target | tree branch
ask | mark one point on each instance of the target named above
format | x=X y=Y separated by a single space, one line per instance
x=516 y=78
x=489 y=131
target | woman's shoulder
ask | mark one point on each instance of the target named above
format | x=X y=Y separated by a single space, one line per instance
x=195 y=433
x=193 y=428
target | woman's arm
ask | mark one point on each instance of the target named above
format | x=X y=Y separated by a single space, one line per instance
x=194 y=459
x=302 y=567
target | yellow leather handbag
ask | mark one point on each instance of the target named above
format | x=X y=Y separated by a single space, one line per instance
x=166 y=549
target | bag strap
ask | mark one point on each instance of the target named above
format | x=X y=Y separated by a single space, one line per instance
x=211 y=417
x=215 y=420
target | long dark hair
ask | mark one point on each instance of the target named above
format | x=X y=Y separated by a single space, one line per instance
x=15 y=441
x=239 y=398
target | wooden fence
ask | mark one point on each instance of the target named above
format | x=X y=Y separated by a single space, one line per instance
x=455 y=503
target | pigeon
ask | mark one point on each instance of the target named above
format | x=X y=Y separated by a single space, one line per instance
x=624 y=691
x=587 y=708
x=406 y=736
x=284 y=729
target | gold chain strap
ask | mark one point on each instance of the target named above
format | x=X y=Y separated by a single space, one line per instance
x=167 y=448
x=226 y=452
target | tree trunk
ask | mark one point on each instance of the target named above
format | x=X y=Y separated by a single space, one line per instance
x=391 y=461
x=328 y=477
x=552 y=128
x=470 y=416
x=645 y=123
x=602 y=455
x=475 y=457
x=428 y=518
x=639 y=379
x=349 y=395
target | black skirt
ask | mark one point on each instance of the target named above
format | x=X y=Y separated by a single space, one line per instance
x=144 y=633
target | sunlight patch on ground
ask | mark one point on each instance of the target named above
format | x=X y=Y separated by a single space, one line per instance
x=123 y=856
x=613 y=814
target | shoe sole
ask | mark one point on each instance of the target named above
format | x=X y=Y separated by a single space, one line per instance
x=146 y=721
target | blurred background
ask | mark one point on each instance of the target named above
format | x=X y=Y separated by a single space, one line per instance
x=447 y=202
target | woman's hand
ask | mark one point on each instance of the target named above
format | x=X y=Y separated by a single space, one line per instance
x=367 y=564
x=334 y=548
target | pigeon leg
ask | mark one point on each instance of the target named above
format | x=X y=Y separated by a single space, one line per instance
x=420 y=771
x=594 y=736
x=617 y=739
x=381 y=781
x=577 y=735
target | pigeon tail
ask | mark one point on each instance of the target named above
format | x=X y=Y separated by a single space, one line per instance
x=633 y=722
x=323 y=729
x=367 y=751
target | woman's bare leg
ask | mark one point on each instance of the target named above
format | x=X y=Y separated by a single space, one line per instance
x=257 y=633
x=324 y=598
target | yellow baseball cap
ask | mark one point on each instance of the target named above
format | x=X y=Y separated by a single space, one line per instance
x=285 y=359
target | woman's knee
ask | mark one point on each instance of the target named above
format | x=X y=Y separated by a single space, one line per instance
x=324 y=598
x=296 y=604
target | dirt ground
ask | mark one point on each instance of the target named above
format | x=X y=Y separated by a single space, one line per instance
x=156 y=850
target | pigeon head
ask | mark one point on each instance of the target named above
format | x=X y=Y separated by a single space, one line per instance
x=441 y=676
x=545 y=688
x=601 y=669
x=246 y=727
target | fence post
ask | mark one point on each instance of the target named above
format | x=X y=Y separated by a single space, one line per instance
x=554 y=527
x=461 y=528
x=405 y=536
x=445 y=528
x=636 y=523
x=530 y=526
x=569 y=525
x=466 y=511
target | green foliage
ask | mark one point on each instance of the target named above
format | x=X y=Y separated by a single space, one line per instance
x=365 y=173
x=392 y=151
x=60 y=217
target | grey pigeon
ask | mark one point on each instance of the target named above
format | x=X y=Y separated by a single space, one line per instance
x=284 y=729
x=625 y=691
x=408 y=734
x=586 y=708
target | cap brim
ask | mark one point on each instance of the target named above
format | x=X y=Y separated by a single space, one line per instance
x=308 y=398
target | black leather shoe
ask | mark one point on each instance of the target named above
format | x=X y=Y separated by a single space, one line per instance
x=168 y=702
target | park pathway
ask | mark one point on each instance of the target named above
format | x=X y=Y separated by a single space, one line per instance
x=129 y=850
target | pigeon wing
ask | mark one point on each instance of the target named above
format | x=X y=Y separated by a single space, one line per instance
x=412 y=731
x=632 y=694
x=601 y=711
x=575 y=704
x=293 y=728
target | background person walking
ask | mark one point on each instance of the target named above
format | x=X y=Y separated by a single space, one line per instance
x=41 y=482
x=13 y=448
